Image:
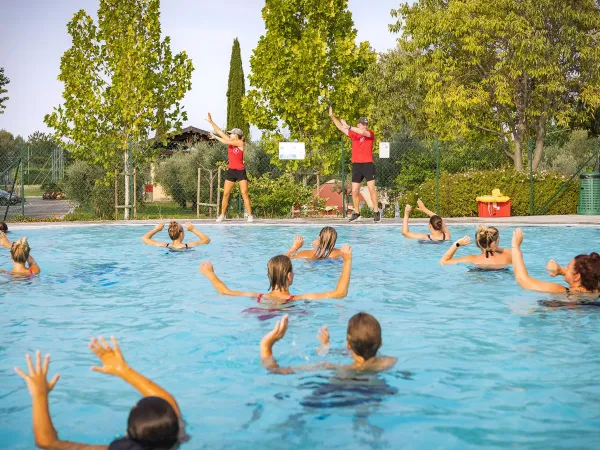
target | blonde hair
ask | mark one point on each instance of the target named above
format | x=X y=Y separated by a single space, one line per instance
x=19 y=250
x=327 y=239
x=175 y=230
x=278 y=269
x=486 y=238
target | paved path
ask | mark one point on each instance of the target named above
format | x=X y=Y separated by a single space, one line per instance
x=36 y=208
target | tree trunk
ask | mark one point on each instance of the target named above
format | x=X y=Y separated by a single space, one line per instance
x=540 y=134
x=518 y=154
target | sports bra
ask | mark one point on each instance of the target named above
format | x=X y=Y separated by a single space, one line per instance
x=166 y=246
x=443 y=237
x=260 y=296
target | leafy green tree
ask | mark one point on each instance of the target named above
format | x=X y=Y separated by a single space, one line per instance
x=307 y=55
x=121 y=81
x=508 y=68
x=236 y=89
x=3 y=82
x=9 y=149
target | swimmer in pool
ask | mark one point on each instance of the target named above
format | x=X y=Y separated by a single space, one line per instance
x=23 y=262
x=324 y=246
x=281 y=277
x=491 y=257
x=3 y=227
x=363 y=339
x=154 y=422
x=582 y=274
x=176 y=234
x=438 y=231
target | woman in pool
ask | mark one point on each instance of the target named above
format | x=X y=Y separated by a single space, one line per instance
x=582 y=274
x=438 y=231
x=154 y=422
x=491 y=257
x=281 y=277
x=236 y=171
x=324 y=246
x=23 y=262
x=176 y=234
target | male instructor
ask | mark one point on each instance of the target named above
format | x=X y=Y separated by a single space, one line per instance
x=362 y=161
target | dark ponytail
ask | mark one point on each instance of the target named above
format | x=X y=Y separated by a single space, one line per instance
x=588 y=268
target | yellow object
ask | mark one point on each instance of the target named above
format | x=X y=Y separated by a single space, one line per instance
x=496 y=197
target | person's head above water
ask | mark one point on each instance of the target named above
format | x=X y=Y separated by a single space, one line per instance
x=19 y=250
x=176 y=231
x=327 y=239
x=281 y=273
x=487 y=239
x=436 y=223
x=584 y=271
x=363 y=335
x=3 y=227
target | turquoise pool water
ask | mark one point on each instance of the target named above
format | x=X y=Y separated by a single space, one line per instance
x=480 y=363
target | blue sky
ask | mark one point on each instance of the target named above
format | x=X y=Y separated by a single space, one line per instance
x=33 y=37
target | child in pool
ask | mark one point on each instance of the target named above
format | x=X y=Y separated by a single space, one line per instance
x=23 y=262
x=363 y=339
x=324 y=246
x=154 y=422
x=281 y=277
x=176 y=234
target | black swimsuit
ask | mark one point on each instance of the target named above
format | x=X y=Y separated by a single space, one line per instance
x=167 y=246
x=443 y=237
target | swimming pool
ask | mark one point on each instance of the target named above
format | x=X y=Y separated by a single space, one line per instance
x=480 y=363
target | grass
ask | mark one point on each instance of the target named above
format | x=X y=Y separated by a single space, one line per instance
x=33 y=190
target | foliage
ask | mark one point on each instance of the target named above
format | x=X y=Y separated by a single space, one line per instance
x=307 y=55
x=9 y=149
x=236 y=89
x=458 y=192
x=3 y=82
x=568 y=158
x=83 y=184
x=506 y=68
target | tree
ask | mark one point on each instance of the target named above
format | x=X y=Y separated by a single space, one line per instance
x=236 y=89
x=308 y=55
x=506 y=68
x=3 y=82
x=121 y=81
x=9 y=149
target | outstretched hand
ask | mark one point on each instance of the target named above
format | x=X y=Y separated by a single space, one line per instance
x=36 y=379
x=466 y=240
x=553 y=268
x=346 y=251
x=407 y=209
x=111 y=358
x=298 y=241
x=420 y=204
x=189 y=226
x=517 y=238
x=323 y=335
x=206 y=268
x=276 y=334
x=330 y=111
x=160 y=226
x=209 y=118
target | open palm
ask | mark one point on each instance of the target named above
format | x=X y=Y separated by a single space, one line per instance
x=112 y=359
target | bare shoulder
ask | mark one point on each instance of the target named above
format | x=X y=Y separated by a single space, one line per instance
x=305 y=254
x=336 y=253
x=64 y=445
x=384 y=363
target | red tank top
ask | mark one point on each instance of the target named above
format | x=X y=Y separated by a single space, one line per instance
x=236 y=158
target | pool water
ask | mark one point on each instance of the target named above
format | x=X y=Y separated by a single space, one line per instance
x=480 y=363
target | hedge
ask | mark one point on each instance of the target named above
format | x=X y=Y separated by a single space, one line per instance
x=458 y=192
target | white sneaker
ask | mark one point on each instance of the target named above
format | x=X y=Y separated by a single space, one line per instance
x=221 y=218
x=250 y=219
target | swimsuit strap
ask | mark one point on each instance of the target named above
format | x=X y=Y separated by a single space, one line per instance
x=568 y=290
x=443 y=236
x=429 y=237
x=259 y=297
x=290 y=299
x=31 y=271
x=167 y=246
x=186 y=246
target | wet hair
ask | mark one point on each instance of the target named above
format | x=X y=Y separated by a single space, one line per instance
x=3 y=226
x=364 y=335
x=485 y=238
x=588 y=268
x=327 y=238
x=278 y=269
x=436 y=223
x=152 y=425
x=175 y=230
x=19 y=250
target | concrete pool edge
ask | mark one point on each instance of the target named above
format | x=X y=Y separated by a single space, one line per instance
x=571 y=220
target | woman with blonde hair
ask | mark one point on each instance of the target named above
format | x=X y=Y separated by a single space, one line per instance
x=281 y=277
x=492 y=256
x=323 y=246
x=176 y=234
x=23 y=262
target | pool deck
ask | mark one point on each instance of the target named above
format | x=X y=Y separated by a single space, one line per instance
x=508 y=221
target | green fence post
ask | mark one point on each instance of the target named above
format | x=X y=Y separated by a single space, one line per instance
x=598 y=154
x=343 y=183
x=531 y=208
x=22 y=189
x=437 y=176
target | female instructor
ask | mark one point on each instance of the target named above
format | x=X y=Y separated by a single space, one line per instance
x=236 y=171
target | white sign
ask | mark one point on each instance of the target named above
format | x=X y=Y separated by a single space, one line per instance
x=292 y=150
x=384 y=149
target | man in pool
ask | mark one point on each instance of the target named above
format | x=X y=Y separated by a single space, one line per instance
x=362 y=161
x=363 y=339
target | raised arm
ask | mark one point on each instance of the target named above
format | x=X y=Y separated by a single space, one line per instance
x=217 y=128
x=203 y=239
x=338 y=123
x=297 y=245
x=4 y=242
x=206 y=268
x=147 y=238
x=448 y=256
x=421 y=207
x=521 y=275
x=113 y=363
x=341 y=290
x=44 y=433
x=405 y=230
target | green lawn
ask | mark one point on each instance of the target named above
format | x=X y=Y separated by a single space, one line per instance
x=33 y=190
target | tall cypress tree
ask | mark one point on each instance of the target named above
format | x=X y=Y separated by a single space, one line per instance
x=236 y=91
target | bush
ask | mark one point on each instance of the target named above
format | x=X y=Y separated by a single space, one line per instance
x=85 y=184
x=568 y=158
x=459 y=191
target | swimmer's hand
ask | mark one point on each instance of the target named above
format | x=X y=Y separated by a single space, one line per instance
x=160 y=226
x=553 y=268
x=36 y=379
x=112 y=359
x=189 y=226
x=517 y=238
x=346 y=252
x=269 y=339
x=420 y=205
x=323 y=335
x=298 y=242
x=407 y=209
x=464 y=241
x=206 y=268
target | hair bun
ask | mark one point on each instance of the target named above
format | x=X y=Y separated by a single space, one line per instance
x=125 y=444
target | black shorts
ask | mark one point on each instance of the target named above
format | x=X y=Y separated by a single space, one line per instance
x=236 y=175
x=363 y=170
